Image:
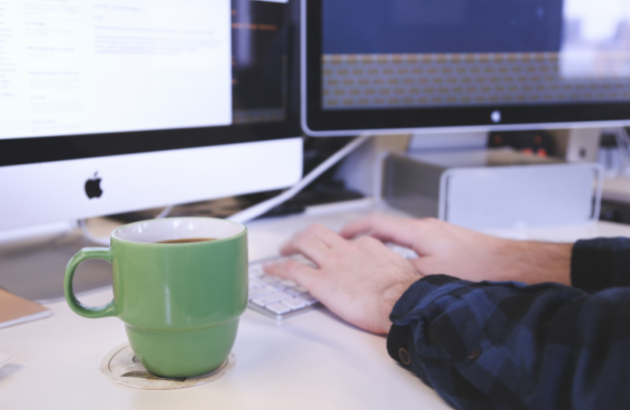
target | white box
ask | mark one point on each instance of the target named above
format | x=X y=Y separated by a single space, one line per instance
x=493 y=188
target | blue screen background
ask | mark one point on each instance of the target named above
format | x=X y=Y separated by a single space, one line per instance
x=441 y=26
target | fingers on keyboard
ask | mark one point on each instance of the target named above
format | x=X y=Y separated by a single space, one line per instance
x=279 y=297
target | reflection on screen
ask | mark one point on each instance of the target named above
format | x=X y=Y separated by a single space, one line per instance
x=596 y=41
x=424 y=53
x=259 y=44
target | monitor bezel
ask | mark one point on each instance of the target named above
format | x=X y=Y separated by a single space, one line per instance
x=319 y=122
x=23 y=151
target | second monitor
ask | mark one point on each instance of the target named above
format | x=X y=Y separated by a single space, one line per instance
x=459 y=65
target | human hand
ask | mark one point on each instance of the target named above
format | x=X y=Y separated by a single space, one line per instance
x=452 y=250
x=360 y=280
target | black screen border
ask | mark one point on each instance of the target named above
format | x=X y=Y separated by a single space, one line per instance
x=23 y=151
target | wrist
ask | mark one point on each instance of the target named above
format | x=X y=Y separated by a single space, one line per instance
x=544 y=262
x=390 y=297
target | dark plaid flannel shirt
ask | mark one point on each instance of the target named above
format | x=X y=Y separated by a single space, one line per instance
x=511 y=346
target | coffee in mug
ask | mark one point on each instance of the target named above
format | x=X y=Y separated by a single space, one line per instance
x=187 y=240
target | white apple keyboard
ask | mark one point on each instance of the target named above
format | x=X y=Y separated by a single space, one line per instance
x=282 y=298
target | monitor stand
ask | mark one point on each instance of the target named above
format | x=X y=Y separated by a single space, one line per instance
x=34 y=268
x=447 y=141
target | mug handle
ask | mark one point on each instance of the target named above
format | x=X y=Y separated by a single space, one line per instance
x=80 y=309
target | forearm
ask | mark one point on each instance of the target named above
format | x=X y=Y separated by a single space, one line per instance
x=508 y=345
x=534 y=262
x=590 y=265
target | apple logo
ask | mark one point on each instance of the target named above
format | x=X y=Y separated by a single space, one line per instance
x=495 y=116
x=93 y=187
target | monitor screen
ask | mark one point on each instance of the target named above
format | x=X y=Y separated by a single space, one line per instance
x=98 y=78
x=440 y=63
x=94 y=67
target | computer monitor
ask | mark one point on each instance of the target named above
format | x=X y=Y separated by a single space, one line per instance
x=118 y=105
x=381 y=66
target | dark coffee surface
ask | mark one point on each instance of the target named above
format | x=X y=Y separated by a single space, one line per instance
x=188 y=240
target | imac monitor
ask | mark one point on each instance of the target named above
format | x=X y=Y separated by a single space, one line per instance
x=464 y=65
x=120 y=105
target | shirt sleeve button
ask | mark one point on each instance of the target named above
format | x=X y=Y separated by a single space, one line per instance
x=404 y=357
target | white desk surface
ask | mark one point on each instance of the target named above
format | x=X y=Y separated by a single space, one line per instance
x=313 y=361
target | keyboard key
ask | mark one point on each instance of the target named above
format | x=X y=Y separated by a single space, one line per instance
x=269 y=279
x=278 y=308
x=282 y=284
x=256 y=283
x=287 y=283
x=308 y=299
x=294 y=303
x=256 y=271
x=254 y=293
x=402 y=251
x=271 y=298
x=296 y=290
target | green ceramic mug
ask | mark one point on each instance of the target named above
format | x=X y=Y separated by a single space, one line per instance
x=180 y=302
